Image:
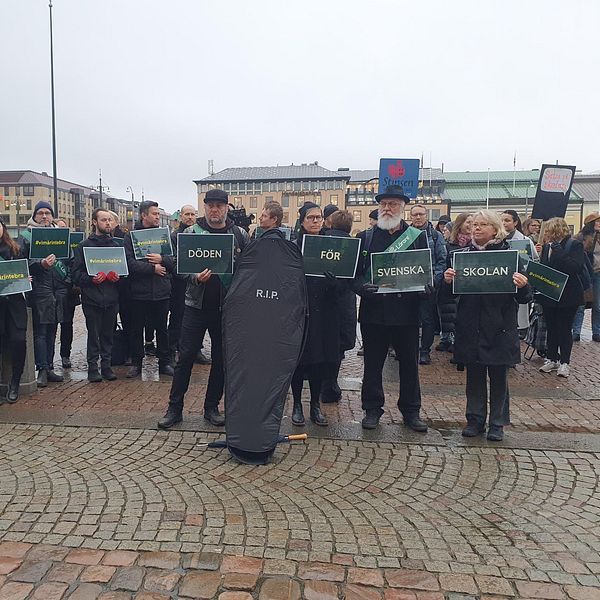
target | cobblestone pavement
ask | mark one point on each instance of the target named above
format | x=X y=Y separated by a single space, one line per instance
x=116 y=514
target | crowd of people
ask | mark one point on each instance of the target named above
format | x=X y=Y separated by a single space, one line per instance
x=481 y=331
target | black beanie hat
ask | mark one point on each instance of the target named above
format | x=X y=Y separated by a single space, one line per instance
x=43 y=204
x=305 y=208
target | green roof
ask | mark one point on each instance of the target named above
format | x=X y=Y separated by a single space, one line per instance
x=496 y=176
x=500 y=192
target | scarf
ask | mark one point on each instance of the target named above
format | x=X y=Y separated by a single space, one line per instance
x=492 y=242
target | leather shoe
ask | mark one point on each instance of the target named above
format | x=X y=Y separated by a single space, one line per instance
x=94 y=375
x=317 y=417
x=495 y=433
x=172 y=417
x=371 y=419
x=214 y=417
x=54 y=377
x=12 y=395
x=66 y=362
x=42 y=378
x=201 y=359
x=417 y=424
x=135 y=371
x=424 y=358
x=473 y=429
x=166 y=370
x=108 y=374
x=298 y=415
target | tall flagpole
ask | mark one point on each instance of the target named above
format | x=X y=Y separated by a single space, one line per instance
x=53 y=117
x=514 y=172
x=487 y=199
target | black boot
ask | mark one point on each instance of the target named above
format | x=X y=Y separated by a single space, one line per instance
x=12 y=394
x=42 y=378
x=135 y=371
x=166 y=369
x=54 y=377
x=66 y=362
x=172 y=417
x=108 y=374
x=214 y=417
x=316 y=416
x=93 y=374
x=298 y=414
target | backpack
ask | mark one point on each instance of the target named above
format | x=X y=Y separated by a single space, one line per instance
x=536 y=338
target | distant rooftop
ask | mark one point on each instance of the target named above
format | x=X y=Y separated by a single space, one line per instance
x=28 y=177
x=286 y=172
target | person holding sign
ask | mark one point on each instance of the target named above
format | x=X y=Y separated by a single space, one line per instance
x=150 y=281
x=487 y=341
x=13 y=318
x=100 y=298
x=565 y=254
x=48 y=275
x=389 y=319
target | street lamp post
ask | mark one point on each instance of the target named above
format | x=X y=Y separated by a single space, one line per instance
x=527 y=199
x=53 y=116
x=130 y=190
x=17 y=204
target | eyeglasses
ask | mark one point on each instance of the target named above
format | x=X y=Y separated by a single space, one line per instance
x=420 y=214
x=44 y=213
x=393 y=204
x=314 y=218
x=480 y=225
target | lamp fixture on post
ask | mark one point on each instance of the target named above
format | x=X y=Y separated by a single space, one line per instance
x=531 y=185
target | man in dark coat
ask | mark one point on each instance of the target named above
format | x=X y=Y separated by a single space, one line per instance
x=388 y=319
x=204 y=298
x=48 y=275
x=150 y=280
x=100 y=298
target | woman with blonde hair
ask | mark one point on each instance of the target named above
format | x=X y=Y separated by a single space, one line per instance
x=487 y=341
x=563 y=253
x=531 y=229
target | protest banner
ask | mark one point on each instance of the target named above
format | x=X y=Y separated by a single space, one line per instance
x=326 y=253
x=75 y=238
x=547 y=281
x=399 y=171
x=14 y=277
x=49 y=240
x=407 y=271
x=104 y=260
x=553 y=191
x=154 y=240
x=199 y=251
x=486 y=272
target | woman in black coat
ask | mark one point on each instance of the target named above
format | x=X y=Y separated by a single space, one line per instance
x=487 y=340
x=565 y=254
x=13 y=319
x=322 y=348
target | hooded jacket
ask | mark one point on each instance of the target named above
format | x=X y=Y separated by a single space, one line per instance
x=12 y=305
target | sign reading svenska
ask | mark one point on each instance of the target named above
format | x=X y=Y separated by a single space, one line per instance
x=328 y=253
x=547 y=281
x=399 y=171
x=104 y=260
x=199 y=251
x=154 y=240
x=406 y=271
x=14 y=277
x=49 y=240
x=485 y=272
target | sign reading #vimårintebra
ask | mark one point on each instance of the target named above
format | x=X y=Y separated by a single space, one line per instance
x=199 y=251
x=486 y=272
x=49 y=240
x=104 y=260
x=75 y=238
x=154 y=240
x=14 y=277
x=547 y=281
x=407 y=271
x=327 y=253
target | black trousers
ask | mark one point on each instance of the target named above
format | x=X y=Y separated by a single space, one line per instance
x=66 y=330
x=427 y=317
x=559 y=322
x=176 y=308
x=125 y=315
x=376 y=342
x=477 y=394
x=14 y=341
x=152 y=313
x=330 y=389
x=100 y=324
x=195 y=322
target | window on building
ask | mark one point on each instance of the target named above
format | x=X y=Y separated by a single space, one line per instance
x=333 y=199
x=268 y=198
x=28 y=190
x=281 y=186
x=285 y=216
x=288 y=186
x=253 y=202
x=435 y=214
x=237 y=201
x=285 y=201
x=300 y=200
x=306 y=185
x=29 y=204
x=297 y=186
x=338 y=185
x=7 y=190
x=357 y=216
x=6 y=219
x=330 y=185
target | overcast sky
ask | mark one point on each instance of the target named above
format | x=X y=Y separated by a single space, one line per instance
x=149 y=91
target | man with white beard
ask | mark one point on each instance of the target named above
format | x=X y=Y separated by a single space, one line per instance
x=389 y=319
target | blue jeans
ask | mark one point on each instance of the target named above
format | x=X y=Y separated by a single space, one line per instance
x=44 y=337
x=578 y=321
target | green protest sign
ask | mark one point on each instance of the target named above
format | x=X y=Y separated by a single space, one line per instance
x=545 y=280
x=153 y=240
x=104 y=260
x=486 y=272
x=199 y=251
x=14 y=277
x=407 y=271
x=75 y=238
x=49 y=240
x=337 y=255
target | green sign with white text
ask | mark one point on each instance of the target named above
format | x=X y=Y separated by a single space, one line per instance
x=49 y=240
x=485 y=272
x=406 y=271
x=199 y=251
x=326 y=253
x=14 y=277
x=545 y=280
x=153 y=240
x=104 y=260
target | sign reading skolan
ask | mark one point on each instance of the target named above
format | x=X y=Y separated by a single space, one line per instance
x=399 y=171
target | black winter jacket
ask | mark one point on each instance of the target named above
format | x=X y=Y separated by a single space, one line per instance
x=448 y=305
x=12 y=306
x=106 y=293
x=144 y=283
x=486 y=324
